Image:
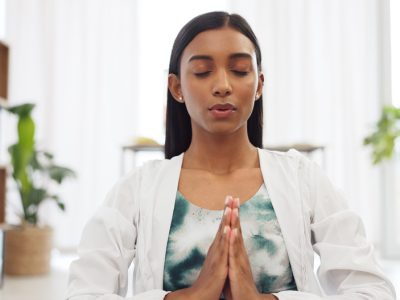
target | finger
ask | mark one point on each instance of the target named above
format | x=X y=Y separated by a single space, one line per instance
x=237 y=257
x=223 y=226
x=240 y=256
x=225 y=222
x=233 y=236
x=222 y=245
x=235 y=220
x=228 y=201
x=236 y=238
x=225 y=241
x=225 y=219
x=236 y=202
x=232 y=255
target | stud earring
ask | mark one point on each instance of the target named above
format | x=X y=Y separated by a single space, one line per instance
x=180 y=98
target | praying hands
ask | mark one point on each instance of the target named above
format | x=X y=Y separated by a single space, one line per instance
x=226 y=268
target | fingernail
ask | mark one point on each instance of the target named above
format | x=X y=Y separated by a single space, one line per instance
x=237 y=202
x=226 y=210
x=227 y=198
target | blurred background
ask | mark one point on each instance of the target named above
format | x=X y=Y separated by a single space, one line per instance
x=96 y=71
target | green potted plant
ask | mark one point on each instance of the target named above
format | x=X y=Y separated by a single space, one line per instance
x=383 y=139
x=27 y=247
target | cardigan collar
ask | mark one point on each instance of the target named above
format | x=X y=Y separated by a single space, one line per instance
x=280 y=177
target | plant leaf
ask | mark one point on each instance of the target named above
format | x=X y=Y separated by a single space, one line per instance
x=383 y=139
x=21 y=110
x=59 y=173
x=37 y=195
x=61 y=206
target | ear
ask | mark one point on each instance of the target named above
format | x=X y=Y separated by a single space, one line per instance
x=174 y=86
x=260 y=85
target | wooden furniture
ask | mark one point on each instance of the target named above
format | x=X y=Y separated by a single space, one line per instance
x=3 y=97
x=4 y=54
x=3 y=70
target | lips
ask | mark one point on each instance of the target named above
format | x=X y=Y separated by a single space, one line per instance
x=223 y=107
x=222 y=111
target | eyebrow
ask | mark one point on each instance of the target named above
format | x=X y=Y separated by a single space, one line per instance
x=232 y=56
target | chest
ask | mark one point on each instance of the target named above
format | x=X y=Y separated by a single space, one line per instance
x=209 y=190
x=193 y=230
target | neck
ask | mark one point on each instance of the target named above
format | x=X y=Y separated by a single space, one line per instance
x=221 y=154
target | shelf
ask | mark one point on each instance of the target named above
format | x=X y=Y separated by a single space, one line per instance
x=307 y=148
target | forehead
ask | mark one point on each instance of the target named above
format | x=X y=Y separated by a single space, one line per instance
x=218 y=42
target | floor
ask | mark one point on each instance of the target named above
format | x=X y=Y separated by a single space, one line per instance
x=52 y=286
x=49 y=287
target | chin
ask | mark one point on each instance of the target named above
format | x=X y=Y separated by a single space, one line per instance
x=224 y=130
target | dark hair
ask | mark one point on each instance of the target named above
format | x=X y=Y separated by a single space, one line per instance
x=178 y=125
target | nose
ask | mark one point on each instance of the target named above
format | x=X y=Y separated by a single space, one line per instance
x=222 y=86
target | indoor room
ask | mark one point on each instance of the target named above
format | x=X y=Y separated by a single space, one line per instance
x=136 y=137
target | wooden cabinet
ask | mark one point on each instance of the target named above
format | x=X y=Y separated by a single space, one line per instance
x=3 y=71
x=4 y=53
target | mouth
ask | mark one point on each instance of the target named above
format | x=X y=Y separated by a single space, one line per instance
x=222 y=111
x=223 y=107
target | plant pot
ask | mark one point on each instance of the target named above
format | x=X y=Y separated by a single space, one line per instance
x=27 y=250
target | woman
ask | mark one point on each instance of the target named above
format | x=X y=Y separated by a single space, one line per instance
x=179 y=218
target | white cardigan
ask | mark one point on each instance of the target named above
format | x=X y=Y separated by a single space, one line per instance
x=135 y=220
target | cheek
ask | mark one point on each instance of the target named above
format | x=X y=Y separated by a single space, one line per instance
x=194 y=94
x=191 y=88
x=247 y=89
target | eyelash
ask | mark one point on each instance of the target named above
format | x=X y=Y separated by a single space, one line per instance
x=241 y=73
x=205 y=74
x=202 y=74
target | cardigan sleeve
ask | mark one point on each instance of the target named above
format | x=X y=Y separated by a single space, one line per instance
x=107 y=248
x=348 y=268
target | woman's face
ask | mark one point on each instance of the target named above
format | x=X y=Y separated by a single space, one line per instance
x=219 y=81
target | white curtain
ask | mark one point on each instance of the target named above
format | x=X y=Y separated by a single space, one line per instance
x=391 y=228
x=92 y=66
x=322 y=61
x=77 y=60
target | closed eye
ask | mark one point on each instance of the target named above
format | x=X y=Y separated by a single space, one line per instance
x=240 y=73
x=202 y=74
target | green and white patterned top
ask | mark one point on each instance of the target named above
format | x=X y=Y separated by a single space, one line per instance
x=193 y=229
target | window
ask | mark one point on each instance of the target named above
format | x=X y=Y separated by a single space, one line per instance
x=395 y=50
x=391 y=169
x=2 y=19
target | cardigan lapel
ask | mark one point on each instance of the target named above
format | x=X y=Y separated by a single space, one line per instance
x=164 y=199
x=279 y=171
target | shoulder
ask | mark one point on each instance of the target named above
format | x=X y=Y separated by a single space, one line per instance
x=127 y=190
x=295 y=167
x=148 y=173
x=291 y=159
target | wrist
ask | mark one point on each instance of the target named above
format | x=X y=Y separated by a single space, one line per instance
x=183 y=294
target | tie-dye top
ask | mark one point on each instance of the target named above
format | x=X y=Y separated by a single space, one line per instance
x=193 y=229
